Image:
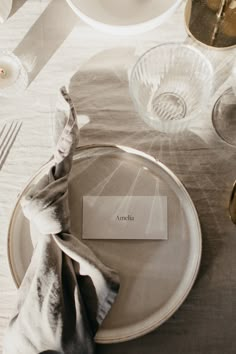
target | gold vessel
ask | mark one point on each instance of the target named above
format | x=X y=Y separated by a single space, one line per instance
x=212 y=22
x=232 y=204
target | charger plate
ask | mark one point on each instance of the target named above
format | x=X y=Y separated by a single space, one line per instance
x=156 y=276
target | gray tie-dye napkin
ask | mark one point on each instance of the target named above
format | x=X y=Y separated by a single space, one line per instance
x=66 y=292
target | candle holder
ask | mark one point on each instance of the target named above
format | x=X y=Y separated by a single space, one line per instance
x=212 y=22
x=13 y=75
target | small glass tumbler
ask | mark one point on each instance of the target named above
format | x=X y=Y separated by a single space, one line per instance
x=170 y=85
x=224 y=111
x=13 y=75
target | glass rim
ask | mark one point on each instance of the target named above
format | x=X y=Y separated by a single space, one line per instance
x=170 y=44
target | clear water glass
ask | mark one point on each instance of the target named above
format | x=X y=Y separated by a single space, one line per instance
x=170 y=85
x=224 y=111
x=13 y=75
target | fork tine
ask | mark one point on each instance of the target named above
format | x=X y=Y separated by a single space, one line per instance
x=4 y=140
x=11 y=137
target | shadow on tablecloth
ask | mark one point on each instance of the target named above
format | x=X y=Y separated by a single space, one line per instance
x=16 y=5
x=206 y=166
x=45 y=36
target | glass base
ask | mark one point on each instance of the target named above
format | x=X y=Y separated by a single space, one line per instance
x=224 y=117
x=169 y=106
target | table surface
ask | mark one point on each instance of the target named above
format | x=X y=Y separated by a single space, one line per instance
x=59 y=49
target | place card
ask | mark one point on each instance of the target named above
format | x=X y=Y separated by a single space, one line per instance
x=125 y=217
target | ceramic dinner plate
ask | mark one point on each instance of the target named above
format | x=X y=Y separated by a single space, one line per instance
x=156 y=275
x=124 y=17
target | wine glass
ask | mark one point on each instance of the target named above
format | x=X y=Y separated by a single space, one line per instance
x=224 y=111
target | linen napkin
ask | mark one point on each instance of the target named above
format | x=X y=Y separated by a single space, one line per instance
x=67 y=291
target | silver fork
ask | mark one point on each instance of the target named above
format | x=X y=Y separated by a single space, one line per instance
x=8 y=136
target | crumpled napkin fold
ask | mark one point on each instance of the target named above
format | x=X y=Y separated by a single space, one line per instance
x=67 y=291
